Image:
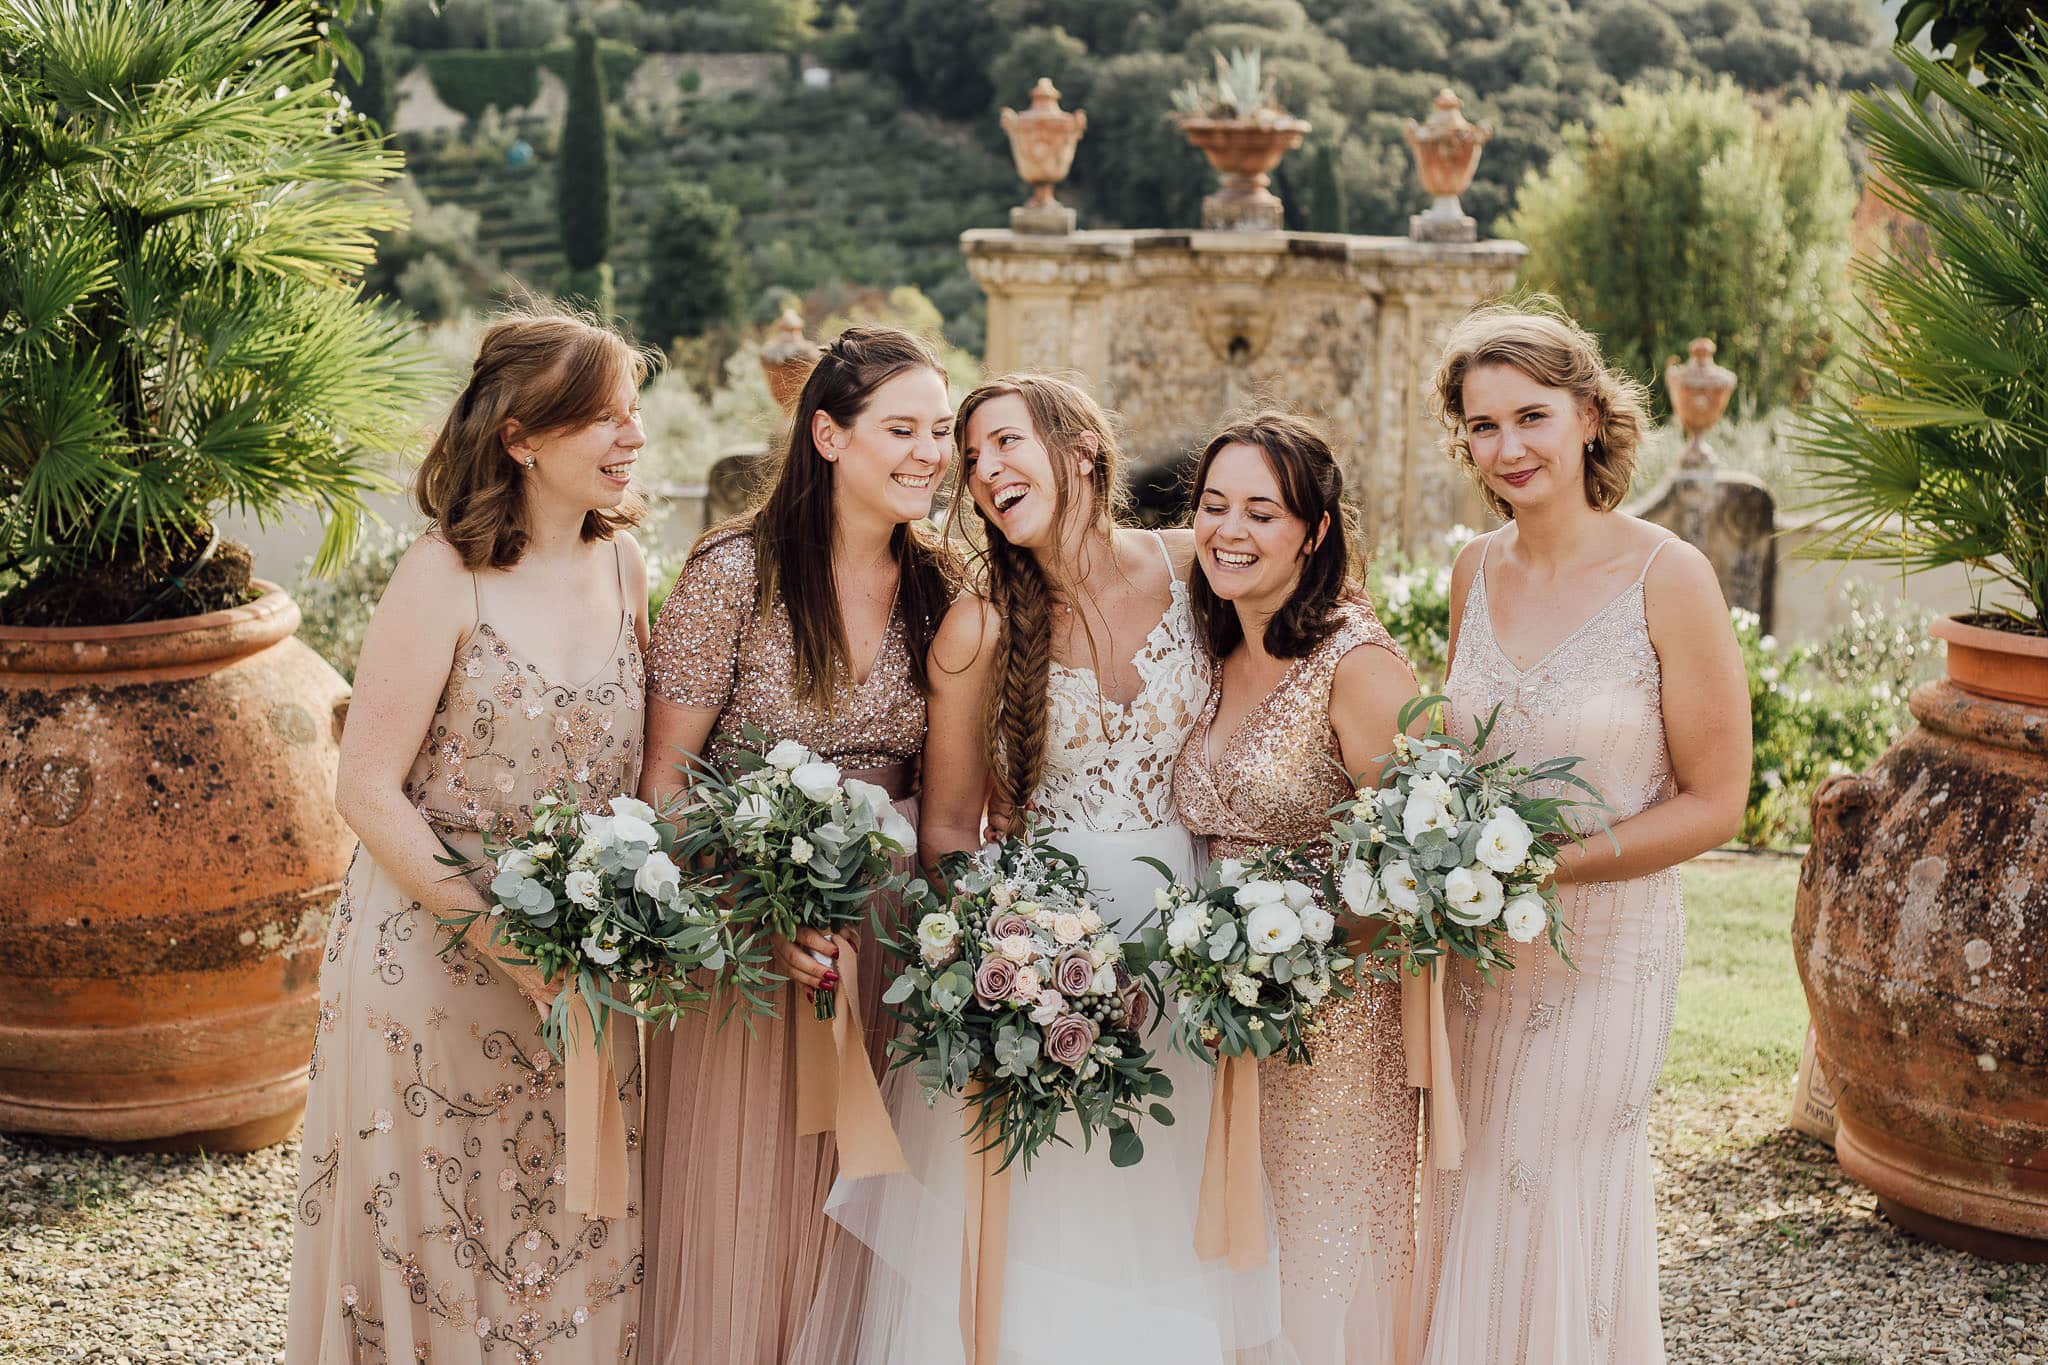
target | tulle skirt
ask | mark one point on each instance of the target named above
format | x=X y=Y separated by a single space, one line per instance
x=1101 y=1260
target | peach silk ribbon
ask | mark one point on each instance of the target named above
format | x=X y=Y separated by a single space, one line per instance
x=984 y=1250
x=597 y=1130
x=835 y=1088
x=1230 y=1220
x=1426 y=1038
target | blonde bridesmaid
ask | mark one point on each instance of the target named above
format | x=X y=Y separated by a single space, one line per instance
x=432 y=1220
x=1542 y=1250
x=808 y=618
x=1308 y=689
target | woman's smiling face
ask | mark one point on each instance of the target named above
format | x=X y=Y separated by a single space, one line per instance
x=1249 y=544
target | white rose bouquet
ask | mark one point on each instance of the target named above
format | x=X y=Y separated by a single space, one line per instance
x=798 y=844
x=1454 y=854
x=597 y=902
x=1016 y=996
x=1252 y=951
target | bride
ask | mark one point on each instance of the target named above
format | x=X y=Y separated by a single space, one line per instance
x=1066 y=689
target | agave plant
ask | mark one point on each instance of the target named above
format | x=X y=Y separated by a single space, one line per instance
x=1241 y=90
x=1934 y=446
x=189 y=210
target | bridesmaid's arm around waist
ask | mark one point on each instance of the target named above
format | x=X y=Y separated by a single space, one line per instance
x=961 y=664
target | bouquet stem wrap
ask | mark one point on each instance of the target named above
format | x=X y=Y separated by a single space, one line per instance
x=984 y=1249
x=835 y=1087
x=1231 y=1219
x=596 y=1129
x=1426 y=1038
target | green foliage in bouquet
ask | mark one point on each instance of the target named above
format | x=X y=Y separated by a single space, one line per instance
x=1017 y=999
x=188 y=214
x=1934 y=447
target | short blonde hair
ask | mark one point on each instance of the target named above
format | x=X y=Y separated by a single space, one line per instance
x=1557 y=353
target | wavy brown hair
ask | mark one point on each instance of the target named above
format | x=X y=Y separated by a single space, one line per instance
x=1311 y=487
x=793 y=523
x=1066 y=420
x=548 y=372
x=1557 y=353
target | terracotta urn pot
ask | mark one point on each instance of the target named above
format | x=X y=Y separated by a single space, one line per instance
x=1244 y=152
x=787 y=359
x=169 y=854
x=1918 y=933
x=1042 y=142
x=1699 y=391
x=1446 y=147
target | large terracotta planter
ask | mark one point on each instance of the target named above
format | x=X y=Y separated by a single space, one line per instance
x=1919 y=938
x=169 y=853
x=1244 y=153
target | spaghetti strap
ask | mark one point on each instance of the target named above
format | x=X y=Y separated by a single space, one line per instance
x=1645 y=574
x=619 y=572
x=1165 y=554
x=476 y=602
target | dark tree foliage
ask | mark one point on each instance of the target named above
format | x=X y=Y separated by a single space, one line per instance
x=1972 y=34
x=697 y=274
x=1327 y=211
x=373 y=93
x=585 y=186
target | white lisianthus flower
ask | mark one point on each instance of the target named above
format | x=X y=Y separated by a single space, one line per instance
x=1420 y=816
x=518 y=862
x=1272 y=929
x=1472 y=896
x=1432 y=788
x=1403 y=887
x=800 y=850
x=869 y=797
x=1297 y=894
x=1184 y=930
x=582 y=887
x=937 y=933
x=1526 y=917
x=1243 y=989
x=898 y=830
x=753 y=812
x=1252 y=895
x=1317 y=924
x=1051 y=1005
x=819 y=780
x=1504 y=841
x=1105 y=980
x=602 y=945
x=658 y=878
x=1360 y=893
x=1161 y=901
x=638 y=810
x=628 y=828
x=1231 y=871
x=789 y=756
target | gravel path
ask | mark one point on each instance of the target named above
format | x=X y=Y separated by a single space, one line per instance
x=1770 y=1255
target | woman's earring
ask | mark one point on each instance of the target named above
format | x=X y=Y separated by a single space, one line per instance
x=529 y=461
x=1589 y=448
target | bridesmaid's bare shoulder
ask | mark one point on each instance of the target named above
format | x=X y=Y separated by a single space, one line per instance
x=966 y=637
x=1180 y=548
x=1682 y=593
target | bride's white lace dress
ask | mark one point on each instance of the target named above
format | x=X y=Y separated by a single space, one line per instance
x=1101 y=1264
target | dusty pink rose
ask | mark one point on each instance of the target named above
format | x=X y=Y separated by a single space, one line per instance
x=996 y=979
x=1137 y=1008
x=1068 y=1038
x=1003 y=926
x=1073 y=973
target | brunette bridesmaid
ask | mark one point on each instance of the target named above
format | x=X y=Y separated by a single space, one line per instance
x=808 y=618
x=1308 y=689
x=1542 y=1249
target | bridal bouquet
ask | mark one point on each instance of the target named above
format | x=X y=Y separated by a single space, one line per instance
x=798 y=846
x=1018 y=996
x=1453 y=854
x=1250 y=955
x=595 y=901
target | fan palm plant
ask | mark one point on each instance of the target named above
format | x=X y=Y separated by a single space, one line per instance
x=1934 y=446
x=189 y=211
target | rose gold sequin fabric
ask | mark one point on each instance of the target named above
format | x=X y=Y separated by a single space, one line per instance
x=1339 y=1135
x=1543 y=1248
x=712 y=649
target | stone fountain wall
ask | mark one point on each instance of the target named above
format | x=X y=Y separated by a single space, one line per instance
x=1178 y=330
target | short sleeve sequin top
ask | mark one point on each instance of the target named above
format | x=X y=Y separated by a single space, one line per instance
x=713 y=648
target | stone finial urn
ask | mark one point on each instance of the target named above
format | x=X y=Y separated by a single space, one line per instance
x=1699 y=392
x=1042 y=142
x=1244 y=152
x=787 y=358
x=1446 y=148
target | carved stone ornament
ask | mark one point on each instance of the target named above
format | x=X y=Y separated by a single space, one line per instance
x=787 y=359
x=1244 y=153
x=1042 y=142
x=1699 y=392
x=1446 y=148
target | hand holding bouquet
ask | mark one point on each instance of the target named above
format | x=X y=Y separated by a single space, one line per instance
x=1252 y=953
x=1455 y=854
x=798 y=844
x=1018 y=997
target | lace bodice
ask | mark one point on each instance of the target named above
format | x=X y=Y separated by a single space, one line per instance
x=1110 y=767
x=1598 y=693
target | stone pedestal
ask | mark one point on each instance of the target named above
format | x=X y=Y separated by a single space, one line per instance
x=1050 y=219
x=1180 y=330
x=1732 y=519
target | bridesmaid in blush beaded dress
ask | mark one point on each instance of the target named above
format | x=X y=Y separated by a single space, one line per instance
x=1310 y=686
x=1542 y=1249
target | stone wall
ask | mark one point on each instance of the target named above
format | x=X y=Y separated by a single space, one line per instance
x=1178 y=330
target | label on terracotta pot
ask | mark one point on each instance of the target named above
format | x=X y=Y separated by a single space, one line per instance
x=1813 y=1102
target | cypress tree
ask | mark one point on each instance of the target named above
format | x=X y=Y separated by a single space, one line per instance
x=372 y=94
x=1327 y=211
x=585 y=184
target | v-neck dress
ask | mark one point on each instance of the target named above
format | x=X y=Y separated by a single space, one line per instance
x=1338 y=1135
x=737 y=1238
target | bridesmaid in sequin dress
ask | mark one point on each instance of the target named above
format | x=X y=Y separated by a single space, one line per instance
x=503 y=662
x=809 y=619
x=1542 y=1249
x=1309 y=689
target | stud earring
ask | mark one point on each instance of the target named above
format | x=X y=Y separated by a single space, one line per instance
x=529 y=461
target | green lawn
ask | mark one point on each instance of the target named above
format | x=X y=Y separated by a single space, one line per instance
x=1741 y=1014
